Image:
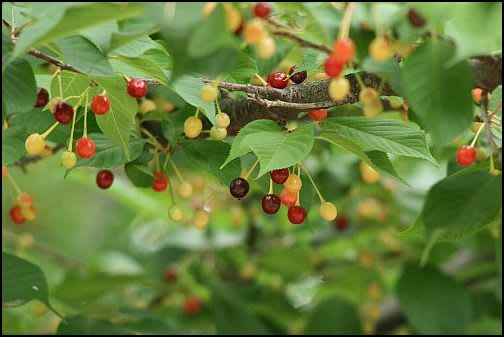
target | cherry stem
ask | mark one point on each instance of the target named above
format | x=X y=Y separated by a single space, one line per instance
x=177 y=172
x=85 y=115
x=313 y=183
x=165 y=164
x=246 y=176
x=49 y=82
x=263 y=82
x=359 y=80
x=218 y=105
x=158 y=165
x=477 y=134
x=299 y=175
x=48 y=132
x=60 y=83
x=347 y=19
x=197 y=112
x=67 y=98
x=14 y=185
x=172 y=195
x=271 y=186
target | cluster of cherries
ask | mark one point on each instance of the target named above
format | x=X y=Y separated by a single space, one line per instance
x=289 y=196
x=23 y=210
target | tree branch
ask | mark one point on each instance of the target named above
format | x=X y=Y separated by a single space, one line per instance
x=301 y=42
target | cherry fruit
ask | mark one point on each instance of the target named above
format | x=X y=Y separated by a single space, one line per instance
x=192 y=127
x=170 y=274
x=85 y=147
x=222 y=120
x=318 y=115
x=266 y=47
x=137 y=88
x=209 y=93
x=343 y=50
x=254 y=31
x=42 y=98
x=16 y=215
x=68 y=160
x=104 y=179
x=380 y=49
x=279 y=176
x=63 y=113
x=367 y=95
x=200 y=219
x=328 y=211
x=217 y=133
x=293 y=184
x=288 y=199
x=176 y=213
x=369 y=174
x=160 y=182
x=296 y=214
x=339 y=88
x=415 y=19
x=262 y=10
x=24 y=200
x=185 y=189
x=239 y=188
x=466 y=155
x=100 y=104
x=341 y=223
x=34 y=144
x=271 y=203
x=192 y=306
x=299 y=77
x=278 y=80
x=332 y=67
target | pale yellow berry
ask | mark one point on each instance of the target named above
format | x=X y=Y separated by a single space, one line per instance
x=254 y=31
x=208 y=8
x=328 y=211
x=266 y=47
x=293 y=184
x=367 y=95
x=26 y=240
x=176 y=213
x=209 y=93
x=39 y=309
x=34 y=144
x=68 y=159
x=233 y=18
x=185 y=189
x=217 y=133
x=380 y=49
x=369 y=174
x=339 y=88
x=29 y=213
x=193 y=127
x=222 y=120
x=200 y=219
x=147 y=105
x=373 y=108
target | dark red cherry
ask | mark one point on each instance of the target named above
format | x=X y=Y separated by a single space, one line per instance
x=271 y=203
x=239 y=188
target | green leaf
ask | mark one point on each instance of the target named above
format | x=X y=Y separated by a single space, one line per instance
x=439 y=95
x=189 y=88
x=495 y=100
x=85 y=56
x=334 y=315
x=173 y=123
x=6 y=47
x=476 y=29
x=207 y=155
x=434 y=303
x=109 y=154
x=147 y=67
x=467 y=200
x=390 y=136
x=81 y=325
x=72 y=84
x=243 y=69
x=22 y=281
x=18 y=87
x=312 y=60
x=12 y=144
x=232 y=315
x=100 y=35
x=213 y=28
x=119 y=121
x=56 y=21
x=376 y=159
x=139 y=175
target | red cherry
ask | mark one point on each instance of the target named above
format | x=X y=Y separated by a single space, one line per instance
x=271 y=203
x=100 y=104
x=85 y=147
x=137 y=88
x=262 y=10
x=344 y=51
x=341 y=223
x=16 y=215
x=288 y=199
x=278 y=80
x=104 y=179
x=63 y=113
x=296 y=214
x=415 y=19
x=192 y=306
x=42 y=98
x=318 y=115
x=170 y=274
x=332 y=67
x=466 y=155
x=160 y=182
x=299 y=77
x=239 y=188
x=279 y=176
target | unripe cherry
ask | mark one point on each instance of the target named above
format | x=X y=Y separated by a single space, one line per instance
x=29 y=213
x=233 y=18
x=368 y=174
x=328 y=211
x=208 y=8
x=372 y=109
x=254 y=31
x=339 y=88
x=192 y=127
x=34 y=144
x=380 y=49
x=24 y=200
x=222 y=120
x=68 y=160
x=344 y=50
x=176 y=213
x=266 y=47
x=368 y=95
x=209 y=93
x=217 y=133
x=288 y=199
x=146 y=105
x=184 y=189
x=293 y=184
x=395 y=102
x=200 y=219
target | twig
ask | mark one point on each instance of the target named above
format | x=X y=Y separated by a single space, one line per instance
x=301 y=42
x=298 y=106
